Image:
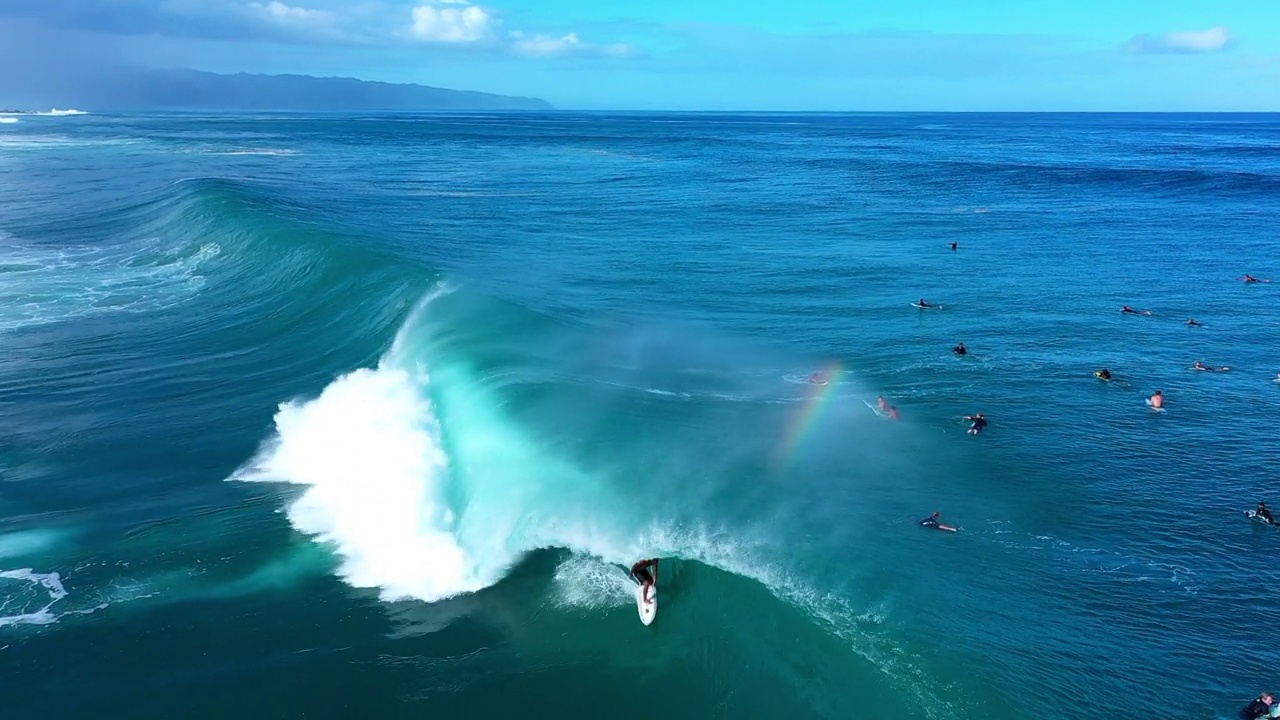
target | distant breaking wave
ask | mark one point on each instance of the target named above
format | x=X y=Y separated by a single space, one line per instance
x=55 y=112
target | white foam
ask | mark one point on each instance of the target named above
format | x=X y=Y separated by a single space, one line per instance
x=368 y=451
x=50 y=142
x=6 y=120
x=41 y=284
x=62 y=113
x=22 y=590
x=588 y=582
x=270 y=152
x=405 y=516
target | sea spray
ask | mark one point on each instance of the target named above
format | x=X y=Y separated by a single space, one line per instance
x=368 y=451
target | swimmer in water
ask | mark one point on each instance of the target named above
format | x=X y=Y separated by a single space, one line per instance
x=893 y=413
x=955 y=246
x=1157 y=401
x=1130 y=311
x=818 y=378
x=882 y=404
x=1250 y=279
x=1193 y=323
x=960 y=349
x=1103 y=374
x=979 y=422
x=933 y=522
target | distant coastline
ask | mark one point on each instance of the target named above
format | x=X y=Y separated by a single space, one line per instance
x=191 y=90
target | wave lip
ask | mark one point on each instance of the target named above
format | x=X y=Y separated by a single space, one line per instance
x=368 y=451
x=417 y=480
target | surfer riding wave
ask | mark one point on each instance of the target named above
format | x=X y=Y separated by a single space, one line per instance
x=640 y=573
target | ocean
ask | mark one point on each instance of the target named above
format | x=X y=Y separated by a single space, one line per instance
x=334 y=416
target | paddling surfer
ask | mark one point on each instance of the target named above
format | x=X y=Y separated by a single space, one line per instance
x=933 y=522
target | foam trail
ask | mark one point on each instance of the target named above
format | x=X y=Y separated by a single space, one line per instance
x=30 y=584
x=587 y=582
x=4 y=120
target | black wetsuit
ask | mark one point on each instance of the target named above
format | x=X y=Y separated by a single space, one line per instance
x=1256 y=709
x=978 y=423
x=959 y=350
x=1265 y=514
x=929 y=522
x=640 y=571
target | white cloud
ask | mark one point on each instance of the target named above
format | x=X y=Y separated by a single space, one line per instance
x=461 y=23
x=570 y=44
x=544 y=45
x=279 y=11
x=1213 y=40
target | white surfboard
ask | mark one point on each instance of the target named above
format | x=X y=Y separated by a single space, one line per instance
x=648 y=611
x=1254 y=514
x=1153 y=407
x=926 y=307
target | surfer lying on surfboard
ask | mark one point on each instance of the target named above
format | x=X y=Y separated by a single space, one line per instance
x=1103 y=374
x=640 y=571
x=1205 y=368
x=979 y=422
x=1130 y=311
x=933 y=522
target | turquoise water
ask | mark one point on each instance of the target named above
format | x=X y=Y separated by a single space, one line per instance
x=327 y=416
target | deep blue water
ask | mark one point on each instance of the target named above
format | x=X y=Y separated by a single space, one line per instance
x=338 y=416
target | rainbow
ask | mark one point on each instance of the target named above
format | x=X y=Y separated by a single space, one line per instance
x=807 y=417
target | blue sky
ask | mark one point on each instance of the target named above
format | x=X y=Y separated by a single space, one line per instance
x=704 y=54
